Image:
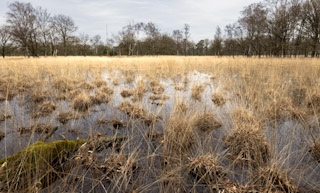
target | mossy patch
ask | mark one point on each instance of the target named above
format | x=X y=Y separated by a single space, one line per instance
x=39 y=162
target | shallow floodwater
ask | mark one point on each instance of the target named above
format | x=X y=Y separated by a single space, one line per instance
x=289 y=141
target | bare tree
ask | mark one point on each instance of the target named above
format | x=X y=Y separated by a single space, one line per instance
x=21 y=19
x=96 y=41
x=254 y=23
x=217 y=42
x=43 y=19
x=311 y=14
x=65 y=26
x=177 y=36
x=5 y=36
x=84 y=40
x=186 y=38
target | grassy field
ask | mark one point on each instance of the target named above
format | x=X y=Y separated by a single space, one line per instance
x=159 y=124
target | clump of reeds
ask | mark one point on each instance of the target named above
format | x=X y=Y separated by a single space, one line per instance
x=206 y=169
x=37 y=128
x=178 y=87
x=136 y=112
x=315 y=151
x=115 y=82
x=206 y=122
x=270 y=179
x=282 y=109
x=45 y=109
x=116 y=123
x=39 y=96
x=99 y=98
x=74 y=93
x=218 y=99
x=155 y=97
x=127 y=93
x=81 y=103
x=196 y=92
x=180 y=108
x=64 y=117
x=178 y=137
x=87 y=86
x=139 y=91
x=3 y=117
x=62 y=85
x=247 y=143
x=106 y=90
x=99 y=82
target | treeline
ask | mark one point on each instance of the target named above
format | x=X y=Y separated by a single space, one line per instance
x=279 y=28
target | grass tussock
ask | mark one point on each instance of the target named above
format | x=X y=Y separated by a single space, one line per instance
x=218 y=99
x=140 y=91
x=99 y=98
x=127 y=93
x=45 y=109
x=136 y=112
x=180 y=108
x=39 y=96
x=74 y=93
x=155 y=97
x=64 y=117
x=115 y=123
x=62 y=85
x=206 y=169
x=178 y=137
x=106 y=90
x=206 y=122
x=247 y=143
x=37 y=128
x=87 y=86
x=269 y=179
x=4 y=117
x=81 y=103
x=99 y=83
x=196 y=92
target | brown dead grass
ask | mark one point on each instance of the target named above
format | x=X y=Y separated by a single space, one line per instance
x=106 y=90
x=116 y=123
x=155 y=97
x=269 y=179
x=178 y=137
x=39 y=96
x=247 y=143
x=180 y=108
x=206 y=169
x=218 y=99
x=197 y=92
x=45 y=109
x=81 y=103
x=99 y=98
x=206 y=122
x=136 y=112
x=64 y=117
x=87 y=86
x=99 y=83
x=37 y=128
x=140 y=91
x=127 y=93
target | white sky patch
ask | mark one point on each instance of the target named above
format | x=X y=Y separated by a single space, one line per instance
x=92 y=16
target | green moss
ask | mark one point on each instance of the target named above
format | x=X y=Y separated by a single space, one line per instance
x=39 y=159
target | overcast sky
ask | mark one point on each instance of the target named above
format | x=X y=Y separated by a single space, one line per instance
x=92 y=16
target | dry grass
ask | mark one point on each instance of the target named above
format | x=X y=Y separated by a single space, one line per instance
x=218 y=99
x=38 y=128
x=64 y=117
x=127 y=93
x=272 y=90
x=197 y=92
x=206 y=122
x=206 y=169
x=247 y=143
x=81 y=103
x=2 y=135
x=270 y=179
x=45 y=109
